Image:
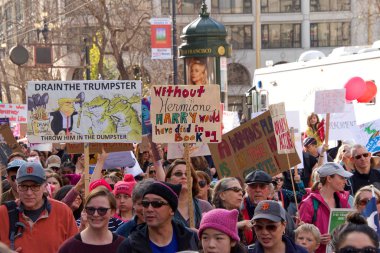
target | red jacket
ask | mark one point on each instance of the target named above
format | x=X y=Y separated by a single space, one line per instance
x=55 y=225
x=306 y=211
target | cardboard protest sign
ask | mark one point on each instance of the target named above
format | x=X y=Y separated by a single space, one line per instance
x=337 y=217
x=186 y=113
x=15 y=112
x=77 y=148
x=330 y=101
x=177 y=150
x=8 y=144
x=252 y=146
x=84 y=111
x=284 y=140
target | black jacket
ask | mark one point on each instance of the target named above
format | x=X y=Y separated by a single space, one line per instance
x=138 y=241
x=290 y=247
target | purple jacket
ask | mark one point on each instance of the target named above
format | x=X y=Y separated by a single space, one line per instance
x=306 y=210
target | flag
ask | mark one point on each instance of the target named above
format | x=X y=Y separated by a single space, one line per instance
x=370 y=212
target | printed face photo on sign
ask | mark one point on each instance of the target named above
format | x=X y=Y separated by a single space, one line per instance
x=200 y=71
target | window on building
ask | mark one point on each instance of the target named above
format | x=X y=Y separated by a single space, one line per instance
x=281 y=36
x=231 y=6
x=184 y=7
x=330 y=34
x=268 y=6
x=330 y=5
x=240 y=36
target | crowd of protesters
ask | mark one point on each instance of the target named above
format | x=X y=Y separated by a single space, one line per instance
x=44 y=207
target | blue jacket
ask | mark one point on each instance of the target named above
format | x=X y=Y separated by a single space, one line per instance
x=128 y=227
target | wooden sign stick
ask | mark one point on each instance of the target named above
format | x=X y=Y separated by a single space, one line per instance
x=293 y=140
x=327 y=128
x=189 y=185
x=291 y=178
x=86 y=168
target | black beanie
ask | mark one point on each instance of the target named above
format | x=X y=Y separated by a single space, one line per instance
x=169 y=192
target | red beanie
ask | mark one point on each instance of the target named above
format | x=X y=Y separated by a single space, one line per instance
x=100 y=182
x=122 y=187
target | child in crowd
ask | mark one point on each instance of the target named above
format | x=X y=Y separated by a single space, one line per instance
x=308 y=236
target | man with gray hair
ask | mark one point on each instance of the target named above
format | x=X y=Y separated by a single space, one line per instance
x=35 y=223
x=364 y=174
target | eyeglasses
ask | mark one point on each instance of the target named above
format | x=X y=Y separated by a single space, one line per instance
x=202 y=183
x=55 y=168
x=100 y=210
x=255 y=185
x=235 y=189
x=13 y=178
x=350 y=249
x=151 y=172
x=33 y=187
x=270 y=227
x=364 y=202
x=154 y=203
x=179 y=174
x=365 y=155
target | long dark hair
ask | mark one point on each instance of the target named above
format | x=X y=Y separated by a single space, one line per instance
x=61 y=193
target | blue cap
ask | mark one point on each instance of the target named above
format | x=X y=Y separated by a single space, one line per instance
x=15 y=164
x=31 y=172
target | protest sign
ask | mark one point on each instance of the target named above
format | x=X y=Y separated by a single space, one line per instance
x=284 y=140
x=252 y=146
x=368 y=135
x=161 y=42
x=77 y=148
x=146 y=124
x=4 y=121
x=177 y=150
x=15 y=112
x=230 y=121
x=186 y=114
x=8 y=144
x=337 y=217
x=42 y=146
x=342 y=125
x=120 y=159
x=84 y=111
x=330 y=101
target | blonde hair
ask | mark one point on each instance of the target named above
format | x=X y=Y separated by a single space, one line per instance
x=367 y=188
x=340 y=153
x=311 y=228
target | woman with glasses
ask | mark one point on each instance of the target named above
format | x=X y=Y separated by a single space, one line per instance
x=204 y=182
x=364 y=195
x=285 y=196
x=100 y=206
x=176 y=174
x=151 y=171
x=355 y=236
x=269 y=223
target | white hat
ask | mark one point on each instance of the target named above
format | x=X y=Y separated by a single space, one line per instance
x=330 y=168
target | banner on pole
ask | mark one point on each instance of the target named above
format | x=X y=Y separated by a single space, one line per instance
x=284 y=140
x=161 y=38
x=186 y=113
x=252 y=146
x=15 y=112
x=84 y=111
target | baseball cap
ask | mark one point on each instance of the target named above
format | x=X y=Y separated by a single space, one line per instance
x=331 y=168
x=53 y=161
x=31 y=171
x=271 y=210
x=309 y=140
x=258 y=176
x=15 y=164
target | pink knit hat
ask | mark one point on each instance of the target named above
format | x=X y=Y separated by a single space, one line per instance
x=222 y=220
x=100 y=182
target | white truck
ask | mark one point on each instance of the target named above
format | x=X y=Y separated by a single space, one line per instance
x=295 y=83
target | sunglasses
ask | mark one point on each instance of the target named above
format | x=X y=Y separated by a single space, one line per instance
x=151 y=172
x=179 y=174
x=13 y=178
x=235 y=189
x=202 y=183
x=364 y=202
x=154 y=203
x=101 y=210
x=350 y=249
x=365 y=155
x=24 y=188
x=255 y=185
x=270 y=227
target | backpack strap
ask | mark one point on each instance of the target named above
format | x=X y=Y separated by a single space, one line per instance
x=13 y=222
x=315 y=207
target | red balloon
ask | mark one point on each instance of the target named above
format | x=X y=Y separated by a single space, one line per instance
x=355 y=88
x=369 y=94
